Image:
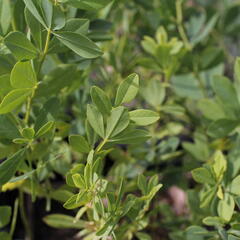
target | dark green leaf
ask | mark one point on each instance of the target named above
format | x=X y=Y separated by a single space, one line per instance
x=222 y=127
x=79 y=43
x=227 y=94
x=95 y=119
x=5 y=215
x=101 y=100
x=9 y=167
x=79 y=144
x=20 y=46
x=89 y=4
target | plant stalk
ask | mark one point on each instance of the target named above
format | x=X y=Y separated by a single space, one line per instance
x=14 y=218
x=24 y=216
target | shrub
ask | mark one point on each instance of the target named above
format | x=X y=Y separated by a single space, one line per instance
x=120 y=118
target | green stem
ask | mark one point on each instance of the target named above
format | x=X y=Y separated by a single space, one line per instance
x=45 y=51
x=101 y=145
x=23 y=215
x=200 y=81
x=14 y=218
x=180 y=27
x=28 y=108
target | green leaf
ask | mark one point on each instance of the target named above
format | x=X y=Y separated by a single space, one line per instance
x=203 y=175
x=79 y=144
x=213 y=221
x=64 y=222
x=5 y=84
x=5 y=15
x=23 y=75
x=88 y=4
x=127 y=90
x=88 y=175
x=196 y=233
x=77 y=25
x=207 y=197
x=234 y=187
x=120 y=193
x=9 y=167
x=221 y=128
x=142 y=184
x=131 y=136
x=143 y=236
x=143 y=117
x=34 y=6
x=20 y=46
x=28 y=133
x=35 y=28
x=13 y=99
x=101 y=100
x=211 y=109
x=78 y=181
x=219 y=165
x=226 y=207
x=80 y=44
x=54 y=83
x=45 y=129
x=117 y=122
x=58 y=19
x=227 y=95
x=95 y=119
x=77 y=200
x=50 y=16
x=154 y=93
x=205 y=30
x=8 y=129
x=237 y=69
x=232 y=237
x=5 y=215
x=21 y=141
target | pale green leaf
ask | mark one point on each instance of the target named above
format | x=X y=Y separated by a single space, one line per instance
x=23 y=75
x=101 y=100
x=144 y=117
x=117 y=122
x=127 y=90
x=13 y=99
x=62 y=221
x=80 y=44
x=203 y=175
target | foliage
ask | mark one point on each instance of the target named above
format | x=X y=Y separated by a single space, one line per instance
x=103 y=101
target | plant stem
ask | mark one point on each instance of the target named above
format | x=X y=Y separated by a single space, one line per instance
x=28 y=108
x=14 y=218
x=29 y=103
x=180 y=27
x=24 y=216
x=101 y=145
x=200 y=81
x=44 y=51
